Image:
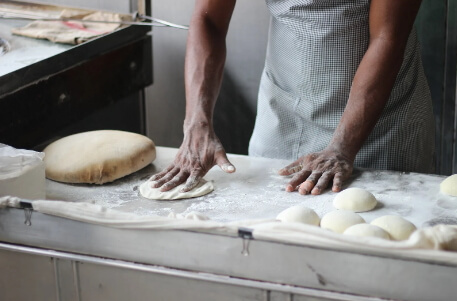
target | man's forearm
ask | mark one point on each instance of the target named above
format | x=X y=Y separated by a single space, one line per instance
x=390 y=22
x=205 y=59
x=369 y=94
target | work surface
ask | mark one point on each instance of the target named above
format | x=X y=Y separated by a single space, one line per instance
x=255 y=190
x=25 y=51
x=290 y=257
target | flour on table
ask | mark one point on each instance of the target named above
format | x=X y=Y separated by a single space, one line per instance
x=201 y=189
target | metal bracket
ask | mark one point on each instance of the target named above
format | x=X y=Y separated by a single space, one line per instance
x=246 y=235
x=28 y=216
x=28 y=210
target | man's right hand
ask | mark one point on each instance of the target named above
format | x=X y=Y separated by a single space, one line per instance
x=204 y=65
x=199 y=152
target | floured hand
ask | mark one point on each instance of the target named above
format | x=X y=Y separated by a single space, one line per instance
x=199 y=152
x=314 y=172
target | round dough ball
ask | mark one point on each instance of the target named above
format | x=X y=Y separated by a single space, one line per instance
x=338 y=221
x=355 y=199
x=299 y=214
x=449 y=185
x=367 y=230
x=97 y=156
x=397 y=227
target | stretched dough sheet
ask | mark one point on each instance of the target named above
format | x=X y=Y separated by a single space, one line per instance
x=201 y=189
x=425 y=244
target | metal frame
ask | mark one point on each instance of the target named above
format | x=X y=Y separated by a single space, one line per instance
x=449 y=106
x=269 y=291
x=308 y=267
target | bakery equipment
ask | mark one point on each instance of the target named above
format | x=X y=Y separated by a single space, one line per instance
x=46 y=88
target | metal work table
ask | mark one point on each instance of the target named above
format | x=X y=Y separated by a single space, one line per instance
x=256 y=191
x=71 y=260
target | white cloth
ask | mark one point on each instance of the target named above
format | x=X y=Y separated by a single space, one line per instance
x=423 y=244
x=71 y=32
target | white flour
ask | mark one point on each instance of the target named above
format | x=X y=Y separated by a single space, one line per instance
x=256 y=191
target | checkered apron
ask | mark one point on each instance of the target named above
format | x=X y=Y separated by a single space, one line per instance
x=314 y=50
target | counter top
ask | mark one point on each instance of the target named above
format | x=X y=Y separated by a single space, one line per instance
x=255 y=190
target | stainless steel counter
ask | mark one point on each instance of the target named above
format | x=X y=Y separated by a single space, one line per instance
x=62 y=259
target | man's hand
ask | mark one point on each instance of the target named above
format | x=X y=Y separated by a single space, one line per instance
x=314 y=172
x=204 y=65
x=390 y=26
x=199 y=152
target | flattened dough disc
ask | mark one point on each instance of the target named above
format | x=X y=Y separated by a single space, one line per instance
x=201 y=189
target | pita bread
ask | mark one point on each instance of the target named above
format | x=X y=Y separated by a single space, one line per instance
x=97 y=157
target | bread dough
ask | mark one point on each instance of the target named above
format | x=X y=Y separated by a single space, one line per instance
x=97 y=157
x=201 y=189
x=367 y=230
x=299 y=214
x=397 y=227
x=338 y=221
x=355 y=199
x=449 y=185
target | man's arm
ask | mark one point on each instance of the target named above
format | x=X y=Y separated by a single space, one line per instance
x=204 y=64
x=390 y=24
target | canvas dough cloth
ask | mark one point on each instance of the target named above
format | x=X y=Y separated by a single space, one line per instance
x=424 y=244
x=71 y=32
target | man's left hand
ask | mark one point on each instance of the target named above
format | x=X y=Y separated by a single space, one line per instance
x=314 y=172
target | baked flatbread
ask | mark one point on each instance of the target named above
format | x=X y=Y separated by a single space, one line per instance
x=97 y=157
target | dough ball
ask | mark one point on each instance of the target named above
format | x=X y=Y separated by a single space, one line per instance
x=397 y=227
x=299 y=214
x=97 y=157
x=201 y=189
x=338 y=221
x=367 y=230
x=449 y=185
x=355 y=199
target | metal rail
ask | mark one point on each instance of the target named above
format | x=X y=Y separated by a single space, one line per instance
x=213 y=278
x=155 y=22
